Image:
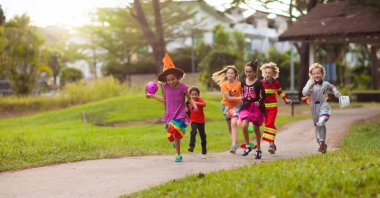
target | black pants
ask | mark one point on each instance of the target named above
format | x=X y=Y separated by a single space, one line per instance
x=201 y=128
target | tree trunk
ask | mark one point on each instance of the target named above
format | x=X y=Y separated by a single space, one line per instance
x=374 y=67
x=303 y=70
x=156 y=41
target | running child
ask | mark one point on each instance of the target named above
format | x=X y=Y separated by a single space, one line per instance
x=315 y=91
x=227 y=79
x=253 y=109
x=174 y=93
x=197 y=119
x=270 y=72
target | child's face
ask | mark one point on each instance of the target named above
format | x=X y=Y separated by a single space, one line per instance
x=268 y=73
x=194 y=95
x=316 y=74
x=230 y=74
x=249 y=72
x=171 y=80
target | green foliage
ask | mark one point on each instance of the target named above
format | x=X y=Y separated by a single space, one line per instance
x=352 y=171
x=94 y=90
x=72 y=94
x=21 y=56
x=70 y=74
x=214 y=61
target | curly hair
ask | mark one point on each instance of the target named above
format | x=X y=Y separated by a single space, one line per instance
x=220 y=76
x=273 y=66
x=315 y=66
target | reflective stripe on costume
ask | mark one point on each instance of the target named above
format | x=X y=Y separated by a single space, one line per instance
x=282 y=94
x=270 y=91
x=268 y=137
x=270 y=104
x=270 y=130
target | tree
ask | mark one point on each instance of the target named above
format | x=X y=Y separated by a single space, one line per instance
x=174 y=15
x=70 y=74
x=3 y=40
x=21 y=56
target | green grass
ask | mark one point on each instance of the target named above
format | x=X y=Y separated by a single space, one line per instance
x=61 y=135
x=353 y=171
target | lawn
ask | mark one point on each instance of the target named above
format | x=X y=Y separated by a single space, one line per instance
x=62 y=136
x=353 y=171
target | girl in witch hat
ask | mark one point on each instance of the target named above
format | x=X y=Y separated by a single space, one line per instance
x=174 y=93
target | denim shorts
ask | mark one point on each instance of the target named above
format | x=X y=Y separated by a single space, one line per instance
x=230 y=112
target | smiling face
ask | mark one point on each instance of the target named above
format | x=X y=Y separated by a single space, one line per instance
x=194 y=95
x=268 y=74
x=171 y=80
x=231 y=74
x=249 y=72
x=317 y=74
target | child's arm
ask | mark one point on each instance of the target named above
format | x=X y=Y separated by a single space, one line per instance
x=282 y=94
x=159 y=98
x=306 y=91
x=334 y=89
x=201 y=103
x=231 y=98
x=191 y=101
x=263 y=95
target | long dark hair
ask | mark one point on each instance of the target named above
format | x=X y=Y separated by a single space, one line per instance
x=254 y=64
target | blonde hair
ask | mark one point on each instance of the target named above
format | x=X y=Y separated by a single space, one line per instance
x=316 y=66
x=220 y=76
x=273 y=66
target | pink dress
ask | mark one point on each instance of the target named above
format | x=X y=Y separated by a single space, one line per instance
x=251 y=94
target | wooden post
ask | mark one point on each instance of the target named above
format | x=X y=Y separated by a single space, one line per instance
x=374 y=67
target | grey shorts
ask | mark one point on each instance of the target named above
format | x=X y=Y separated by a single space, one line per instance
x=230 y=112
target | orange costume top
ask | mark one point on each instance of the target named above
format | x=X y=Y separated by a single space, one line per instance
x=271 y=88
x=233 y=90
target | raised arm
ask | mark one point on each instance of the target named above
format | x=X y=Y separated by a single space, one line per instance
x=192 y=102
x=308 y=89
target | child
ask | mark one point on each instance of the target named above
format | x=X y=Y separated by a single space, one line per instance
x=174 y=93
x=270 y=72
x=227 y=79
x=197 y=119
x=253 y=109
x=316 y=91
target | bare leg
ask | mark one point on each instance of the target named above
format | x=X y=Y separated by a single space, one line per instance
x=258 y=135
x=234 y=130
x=229 y=126
x=177 y=146
x=244 y=126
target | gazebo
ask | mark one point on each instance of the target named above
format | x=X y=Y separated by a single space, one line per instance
x=338 y=22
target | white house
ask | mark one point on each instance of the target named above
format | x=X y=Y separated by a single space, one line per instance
x=261 y=29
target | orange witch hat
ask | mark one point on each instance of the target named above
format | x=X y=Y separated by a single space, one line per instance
x=169 y=68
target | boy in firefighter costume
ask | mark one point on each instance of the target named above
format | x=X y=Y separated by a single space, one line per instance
x=270 y=72
x=315 y=91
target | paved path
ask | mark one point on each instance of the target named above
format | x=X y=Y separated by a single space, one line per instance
x=115 y=177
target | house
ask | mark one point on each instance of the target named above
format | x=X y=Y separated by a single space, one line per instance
x=261 y=29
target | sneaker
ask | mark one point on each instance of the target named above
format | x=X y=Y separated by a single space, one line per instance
x=178 y=158
x=258 y=154
x=246 y=151
x=190 y=149
x=233 y=149
x=324 y=149
x=272 y=149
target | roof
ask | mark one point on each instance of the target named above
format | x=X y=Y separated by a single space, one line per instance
x=337 y=23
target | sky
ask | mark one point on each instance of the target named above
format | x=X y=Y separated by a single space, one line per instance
x=71 y=13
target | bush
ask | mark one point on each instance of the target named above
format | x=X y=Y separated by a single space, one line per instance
x=70 y=74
